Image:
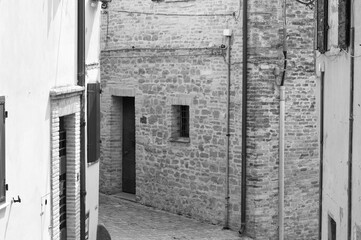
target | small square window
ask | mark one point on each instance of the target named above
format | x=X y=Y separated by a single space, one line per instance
x=180 y=123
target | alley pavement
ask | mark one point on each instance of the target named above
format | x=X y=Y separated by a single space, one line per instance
x=126 y=220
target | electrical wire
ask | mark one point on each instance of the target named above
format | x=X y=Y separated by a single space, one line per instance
x=177 y=14
x=163 y=49
x=349 y=54
x=162 y=56
x=309 y=3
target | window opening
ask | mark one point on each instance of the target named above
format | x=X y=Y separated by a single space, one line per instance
x=184 y=121
x=62 y=179
x=322 y=25
x=331 y=228
x=344 y=14
x=180 y=123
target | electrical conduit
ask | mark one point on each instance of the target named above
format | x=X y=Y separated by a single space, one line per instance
x=81 y=82
x=244 y=115
x=228 y=34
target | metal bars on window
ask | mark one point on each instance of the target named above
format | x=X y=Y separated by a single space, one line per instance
x=184 y=121
x=62 y=178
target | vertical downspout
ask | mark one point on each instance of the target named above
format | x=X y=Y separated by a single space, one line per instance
x=244 y=115
x=322 y=102
x=81 y=82
x=226 y=222
x=352 y=69
x=281 y=168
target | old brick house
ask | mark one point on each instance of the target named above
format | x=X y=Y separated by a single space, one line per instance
x=165 y=71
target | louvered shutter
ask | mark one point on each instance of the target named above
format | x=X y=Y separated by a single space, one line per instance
x=322 y=25
x=2 y=149
x=343 y=23
x=93 y=121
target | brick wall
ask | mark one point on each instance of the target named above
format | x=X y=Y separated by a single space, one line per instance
x=171 y=60
x=65 y=102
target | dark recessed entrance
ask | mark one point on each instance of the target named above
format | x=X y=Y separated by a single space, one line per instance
x=128 y=146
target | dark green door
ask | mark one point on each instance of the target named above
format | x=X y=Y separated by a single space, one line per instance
x=128 y=162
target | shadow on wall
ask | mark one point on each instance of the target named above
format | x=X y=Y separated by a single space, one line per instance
x=89 y=26
x=53 y=6
x=5 y=213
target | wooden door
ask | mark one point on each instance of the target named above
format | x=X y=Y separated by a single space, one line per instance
x=128 y=152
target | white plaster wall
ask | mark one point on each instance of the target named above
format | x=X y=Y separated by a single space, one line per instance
x=92 y=53
x=336 y=125
x=337 y=83
x=38 y=51
x=356 y=181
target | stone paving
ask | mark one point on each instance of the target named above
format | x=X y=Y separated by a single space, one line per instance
x=126 y=220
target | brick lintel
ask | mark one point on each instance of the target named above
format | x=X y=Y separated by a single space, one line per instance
x=65 y=92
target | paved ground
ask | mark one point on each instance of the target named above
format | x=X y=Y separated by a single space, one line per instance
x=129 y=220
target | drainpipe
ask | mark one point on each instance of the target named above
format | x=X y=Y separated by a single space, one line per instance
x=244 y=115
x=322 y=98
x=352 y=69
x=281 y=168
x=81 y=82
x=228 y=34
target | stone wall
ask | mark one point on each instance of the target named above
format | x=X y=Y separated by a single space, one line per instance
x=169 y=53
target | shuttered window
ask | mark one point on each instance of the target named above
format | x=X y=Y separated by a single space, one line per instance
x=2 y=150
x=93 y=121
x=322 y=25
x=344 y=23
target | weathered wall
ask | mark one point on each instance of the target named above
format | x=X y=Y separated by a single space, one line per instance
x=356 y=173
x=336 y=131
x=38 y=49
x=189 y=178
x=301 y=156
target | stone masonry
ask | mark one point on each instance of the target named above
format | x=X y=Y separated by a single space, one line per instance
x=169 y=53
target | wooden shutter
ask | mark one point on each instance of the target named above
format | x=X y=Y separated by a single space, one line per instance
x=322 y=25
x=343 y=23
x=93 y=121
x=2 y=149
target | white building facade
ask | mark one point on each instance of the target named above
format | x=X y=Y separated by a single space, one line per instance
x=339 y=70
x=49 y=60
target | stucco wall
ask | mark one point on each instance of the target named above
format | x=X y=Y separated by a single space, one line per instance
x=38 y=51
x=336 y=132
x=189 y=178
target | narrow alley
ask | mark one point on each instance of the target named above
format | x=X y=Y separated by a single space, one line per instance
x=129 y=220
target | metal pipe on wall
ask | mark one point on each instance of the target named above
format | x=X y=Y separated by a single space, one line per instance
x=350 y=145
x=351 y=119
x=81 y=82
x=226 y=220
x=322 y=98
x=281 y=167
x=244 y=115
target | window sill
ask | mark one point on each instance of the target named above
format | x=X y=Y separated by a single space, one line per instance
x=180 y=140
x=4 y=204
